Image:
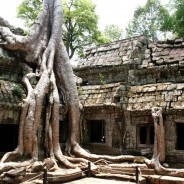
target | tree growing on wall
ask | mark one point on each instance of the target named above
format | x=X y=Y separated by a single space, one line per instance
x=80 y=23
x=113 y=33
x=38 y=137
x=43 y=49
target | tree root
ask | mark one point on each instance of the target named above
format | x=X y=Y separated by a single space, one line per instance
x=80 y=152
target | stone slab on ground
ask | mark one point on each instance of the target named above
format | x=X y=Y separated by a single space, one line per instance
x=59 y=176
x=64 y=175
x=158 y=179
x=98 y=181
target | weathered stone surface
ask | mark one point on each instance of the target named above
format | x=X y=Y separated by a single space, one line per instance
x=148 y=74
x=157 y=179
x=106 y=94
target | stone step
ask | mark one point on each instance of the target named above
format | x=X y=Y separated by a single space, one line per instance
x=125 y=170
x=158 y=179
x=122 y=177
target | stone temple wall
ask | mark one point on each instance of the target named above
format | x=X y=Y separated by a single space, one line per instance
x=11 y=73
x=11 y=90
x=132 y=76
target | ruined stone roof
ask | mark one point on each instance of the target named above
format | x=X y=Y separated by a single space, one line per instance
x=134 y=98
x=152 y=73
x=116 y=53
x=99 y=95
x=165 y=95
x=8 y=96
x=137 y=50
x=165 y=53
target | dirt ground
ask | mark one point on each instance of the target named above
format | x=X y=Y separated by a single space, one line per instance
x=98 y=181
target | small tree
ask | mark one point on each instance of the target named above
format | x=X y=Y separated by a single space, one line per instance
x=175 y=21
x=147 y=20
x=28 y=11
x=113 y=33
x=80 y=25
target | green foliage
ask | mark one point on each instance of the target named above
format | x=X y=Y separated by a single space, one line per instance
x=79 y=89
x=101 y=78
x=175 y=21
x=28 y=10
x=79 y=26
x=113 y=33
x=18 y=90
x=147 y=20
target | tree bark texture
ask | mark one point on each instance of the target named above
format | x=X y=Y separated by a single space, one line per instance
x=159 y=136
x=44 y=48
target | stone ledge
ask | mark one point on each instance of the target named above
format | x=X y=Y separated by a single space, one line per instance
x=158 y=179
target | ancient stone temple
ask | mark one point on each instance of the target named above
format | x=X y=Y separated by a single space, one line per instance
x=122 y=81
x=11 y=91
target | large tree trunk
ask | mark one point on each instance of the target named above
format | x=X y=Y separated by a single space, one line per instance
x=44 y=48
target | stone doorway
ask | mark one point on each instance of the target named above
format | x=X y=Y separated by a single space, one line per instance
x=8 y=137
x=145 y=135
x=97 y=131
x=180 y=133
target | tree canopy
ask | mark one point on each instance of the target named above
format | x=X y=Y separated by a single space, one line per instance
x=28 y=11
x=148 y=20
x=175 y=21
x=80 y=23
x=113 y=33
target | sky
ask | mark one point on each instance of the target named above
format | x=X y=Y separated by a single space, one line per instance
x=117 y=12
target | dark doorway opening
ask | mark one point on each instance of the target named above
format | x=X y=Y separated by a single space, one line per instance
x=180 y=133
x=145 y=135
x=64 y=130
x=8 y=137
x=152 y=134
x=97 y=131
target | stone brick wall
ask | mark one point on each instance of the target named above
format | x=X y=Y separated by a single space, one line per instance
x=133 y=75
x=11 y=89
x=112 y=61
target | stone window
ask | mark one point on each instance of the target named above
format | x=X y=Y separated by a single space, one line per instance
x=145 y=135
x=180 y=133
x=117 y=99
x=8 y=137
x=97 y=131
